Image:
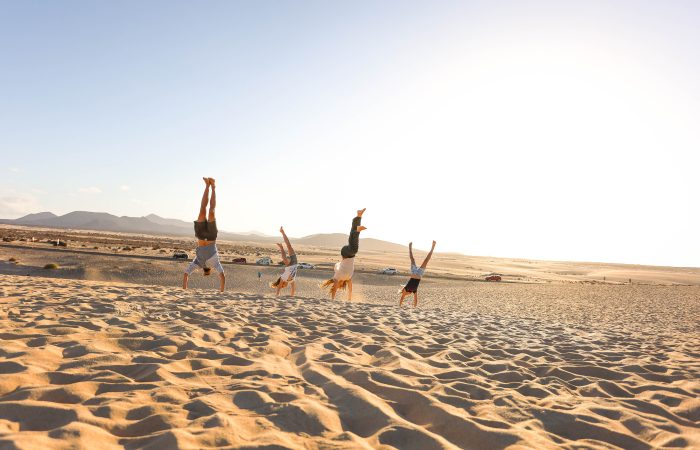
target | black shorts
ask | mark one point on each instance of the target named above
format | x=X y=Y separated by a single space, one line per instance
x=205 y=231
x=412 y=285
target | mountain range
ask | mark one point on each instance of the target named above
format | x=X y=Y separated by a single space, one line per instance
x=156 y=225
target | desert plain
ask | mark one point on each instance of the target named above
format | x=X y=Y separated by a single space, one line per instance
x=107 y=351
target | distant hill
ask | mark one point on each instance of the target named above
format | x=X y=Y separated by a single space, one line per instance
x=156 y=225
x=99 y=221
x=337 y=240
x=38 y=217
x=169 y=222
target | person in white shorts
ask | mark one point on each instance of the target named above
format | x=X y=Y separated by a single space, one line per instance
x=207 y=255
x=290 y=271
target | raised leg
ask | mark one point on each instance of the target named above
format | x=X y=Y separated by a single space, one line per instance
x=350 y=250
x=205 y=201
x=284 y=255
x=427 y=258
x=212 y=202
x=410 y=254
x=286 y=241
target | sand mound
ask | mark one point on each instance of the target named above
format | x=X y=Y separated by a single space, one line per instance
x=99 y=365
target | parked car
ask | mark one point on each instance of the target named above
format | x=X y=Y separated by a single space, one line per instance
x=264 y=261
x=493 y=277
x=305 y=266
x=389 y=271
x=240 y=261
x=179 y=254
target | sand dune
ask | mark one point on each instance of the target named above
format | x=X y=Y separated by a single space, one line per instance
x=104 y=365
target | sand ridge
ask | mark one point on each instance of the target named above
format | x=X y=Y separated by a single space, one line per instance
x=106 y=365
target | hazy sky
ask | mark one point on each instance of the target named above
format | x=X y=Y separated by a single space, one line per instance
x=550 y=130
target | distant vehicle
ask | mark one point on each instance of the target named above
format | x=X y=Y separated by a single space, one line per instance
x=389 y=271
x=264 y=261
x=240 y=261
x=179 y=254
x=305 y=266
x=493 y=278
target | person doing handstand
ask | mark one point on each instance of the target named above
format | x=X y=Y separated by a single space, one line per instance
x=345 y=268
x=205 y=230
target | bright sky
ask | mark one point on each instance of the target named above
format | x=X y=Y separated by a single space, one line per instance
x=536 y=129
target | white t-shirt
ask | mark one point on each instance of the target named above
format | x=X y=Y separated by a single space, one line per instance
x=290 y=272
x=206 y=256
x=344 y=269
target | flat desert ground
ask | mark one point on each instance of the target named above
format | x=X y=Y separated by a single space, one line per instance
x=108 y=352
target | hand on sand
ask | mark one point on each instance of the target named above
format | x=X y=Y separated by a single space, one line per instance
x=212 y=182
x=361 y=228
x=360 y=212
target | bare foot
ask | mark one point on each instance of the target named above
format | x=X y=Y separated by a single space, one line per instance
x=410 y=244
x=282 y=230
x=212 y=182
x=360 y=212
x=206 y=180
x=361 y=228
x=434 y=244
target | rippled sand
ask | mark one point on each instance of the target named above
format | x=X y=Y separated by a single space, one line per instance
x=106 y=365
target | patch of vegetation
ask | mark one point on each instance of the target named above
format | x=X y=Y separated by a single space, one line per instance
x=51 y=266
x=14 y=260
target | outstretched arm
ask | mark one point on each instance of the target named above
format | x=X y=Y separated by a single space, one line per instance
x=185 y=277
x=286 y=242
x=222 y=279
x=427 y=258
x=410 y=253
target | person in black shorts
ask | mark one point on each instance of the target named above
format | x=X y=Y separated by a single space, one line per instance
x=207 y=255
x=416 y=275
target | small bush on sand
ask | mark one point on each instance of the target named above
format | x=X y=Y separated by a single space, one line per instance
x=13 y=260
x=51 y=266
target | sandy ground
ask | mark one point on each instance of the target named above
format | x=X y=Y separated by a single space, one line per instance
x=108 y=352
x=87 y=364
x=657 y=306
